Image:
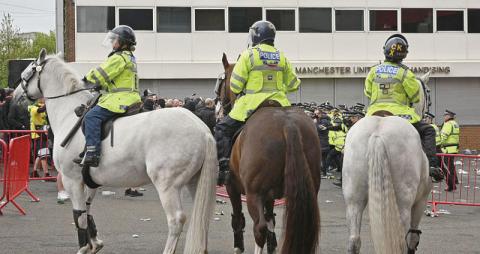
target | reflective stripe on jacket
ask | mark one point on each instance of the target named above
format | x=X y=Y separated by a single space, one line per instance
x=450 y=137
x=118 y=76
x=261 y=73
x=393 y=87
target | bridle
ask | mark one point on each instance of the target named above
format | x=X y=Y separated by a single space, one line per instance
x=225 y=102
x=29 y=72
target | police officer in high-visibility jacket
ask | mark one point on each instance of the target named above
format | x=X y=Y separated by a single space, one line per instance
x=450 y=140
x=428 y=118
x=118 y=77
x=262 y=72
x=392 y=87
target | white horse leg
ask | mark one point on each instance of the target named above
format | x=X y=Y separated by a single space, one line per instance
x=175 y=216
x=258 y=249
x=354 y=220
x=413 y=235
x=78 y=198
x=97 y=244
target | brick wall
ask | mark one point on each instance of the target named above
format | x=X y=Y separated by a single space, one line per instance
x=69 y=30
x=470 y=137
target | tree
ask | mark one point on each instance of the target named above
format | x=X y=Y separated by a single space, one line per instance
x=13 y=46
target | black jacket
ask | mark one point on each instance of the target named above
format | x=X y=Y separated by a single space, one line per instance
x=18 y=117
x=207 y=115
x=323 y=125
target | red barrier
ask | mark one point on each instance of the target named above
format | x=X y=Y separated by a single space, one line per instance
x=16 y=172
x=222 y=192
x=39 y=149
x=3 y=168
x=460 y=185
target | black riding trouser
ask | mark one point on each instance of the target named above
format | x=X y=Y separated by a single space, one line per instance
x=427 y=135
x=224 y=131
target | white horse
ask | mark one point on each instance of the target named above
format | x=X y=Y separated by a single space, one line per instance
x=384 y=165
x=170 y=148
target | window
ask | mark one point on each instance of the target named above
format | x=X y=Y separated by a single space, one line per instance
x=383 y=20
x=174 y=20
x=137 y=19
x=315 y=20
x=450 y=21
x=417 y=20
x=95 y=19
x=474 y=20
x=210 y=20
x=284 y=20
x=241 y=18
x=349 y=20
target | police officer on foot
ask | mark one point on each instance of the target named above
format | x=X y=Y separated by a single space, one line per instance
x=450 y=140
x=118 y=77
x=428 y=118
x=392 y=87
x=262 y=72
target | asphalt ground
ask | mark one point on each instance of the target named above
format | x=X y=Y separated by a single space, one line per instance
x=48 y=226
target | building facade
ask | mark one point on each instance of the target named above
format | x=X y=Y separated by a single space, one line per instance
x=332 y=44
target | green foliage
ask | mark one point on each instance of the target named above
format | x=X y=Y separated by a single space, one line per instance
x=14 y=46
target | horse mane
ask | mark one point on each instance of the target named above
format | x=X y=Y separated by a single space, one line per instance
x=63 y=73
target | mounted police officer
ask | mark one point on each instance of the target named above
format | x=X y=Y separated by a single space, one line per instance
x=262 y=72
x=392 y=87
x=118 y=77
x=449 y=141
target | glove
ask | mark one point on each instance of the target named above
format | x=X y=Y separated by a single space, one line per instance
x=96 y=87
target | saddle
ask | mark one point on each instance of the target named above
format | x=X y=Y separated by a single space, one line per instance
x=107 y=127
x=383 y=113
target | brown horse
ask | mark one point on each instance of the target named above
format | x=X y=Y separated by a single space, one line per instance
x=276 y=155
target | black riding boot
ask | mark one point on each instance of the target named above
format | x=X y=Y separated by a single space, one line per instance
x=90 y=157
x=427 y=135
x=224 y=131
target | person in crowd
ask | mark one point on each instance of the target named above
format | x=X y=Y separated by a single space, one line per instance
x=38 y=122
x=169 y=103
x=18 y=116
x=261 y=72
x=351 y=118
x=429 y=118
x=161 y=103
x=206 y=113
x=449 y=141
x=391 y=86
x=177 y=103
x=323 y=123
x=118 y=77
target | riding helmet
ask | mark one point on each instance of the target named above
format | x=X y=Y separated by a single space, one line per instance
x=262 y=31
x=396 y=48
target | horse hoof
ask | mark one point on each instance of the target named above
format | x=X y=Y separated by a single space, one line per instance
x=237 y=251
x=97 y=245
x=84 y=250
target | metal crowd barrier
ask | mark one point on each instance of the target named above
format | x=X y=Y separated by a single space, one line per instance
x=16 y=171
x=39 y=147
x=462 y=171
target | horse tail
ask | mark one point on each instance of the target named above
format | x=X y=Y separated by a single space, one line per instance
x=385 y=225
x=204 y=202
x=302 y=216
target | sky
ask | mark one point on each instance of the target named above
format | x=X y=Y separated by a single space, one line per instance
x=30 y=15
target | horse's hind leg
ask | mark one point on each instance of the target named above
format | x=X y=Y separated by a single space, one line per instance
x=255 y=208
x=355 y=209
x=413 y=235
x=238 y=219
x=97 y=244
x=270 y=218
x=172 y=205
